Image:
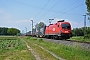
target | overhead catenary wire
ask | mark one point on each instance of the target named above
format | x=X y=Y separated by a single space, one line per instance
x=37 y=7
x=32 y=6
x=42 y=8
x=70 y=9
x=50 y=8
x=66 y=7
x=25 y=4
x=74 y=14
x=70 y=5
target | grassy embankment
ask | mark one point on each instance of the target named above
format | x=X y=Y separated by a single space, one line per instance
x=44 y=55
x=66 y=52
x=12 y=48
x=80 y=38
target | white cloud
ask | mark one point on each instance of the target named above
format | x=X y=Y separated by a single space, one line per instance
x=21 y=24
x=75 y=24
x=21 y=21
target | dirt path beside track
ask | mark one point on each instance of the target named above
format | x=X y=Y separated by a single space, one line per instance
x=59 y=58
x=32 y=51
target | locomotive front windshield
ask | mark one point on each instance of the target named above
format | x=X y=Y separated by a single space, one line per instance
x=66 y=26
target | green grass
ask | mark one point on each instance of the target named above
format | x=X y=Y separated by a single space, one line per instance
x=80 y=38
x=8 y=38
x=42 y=53
x=13 y=48
x=66 y=52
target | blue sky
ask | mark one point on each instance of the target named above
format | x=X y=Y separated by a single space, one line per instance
x=18 y=13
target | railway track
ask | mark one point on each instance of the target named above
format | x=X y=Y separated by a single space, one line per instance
x=78 y=41
x=68 y=41
x=82 y=44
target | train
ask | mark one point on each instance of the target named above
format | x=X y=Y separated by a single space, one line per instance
x=59 y=30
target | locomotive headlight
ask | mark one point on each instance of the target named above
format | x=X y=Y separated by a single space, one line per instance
x=66 y=31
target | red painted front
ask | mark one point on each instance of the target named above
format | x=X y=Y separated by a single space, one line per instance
x=57 y=28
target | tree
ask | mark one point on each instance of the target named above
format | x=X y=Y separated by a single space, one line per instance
x=78 y=31
x=40 y=25
x=3 y=31
x=13 y=31
x=87 y=30
x=88 y=8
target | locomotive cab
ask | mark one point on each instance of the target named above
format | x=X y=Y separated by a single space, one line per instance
x=65 y=27
x=65 y=30
x=59 y=30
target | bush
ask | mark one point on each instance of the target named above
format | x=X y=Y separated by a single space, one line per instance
x=87 y=36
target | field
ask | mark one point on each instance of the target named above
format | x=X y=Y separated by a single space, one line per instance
x=12 y=48
x=65 y=52
x=28 y=48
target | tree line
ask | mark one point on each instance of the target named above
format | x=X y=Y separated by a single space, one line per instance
x=9 y=31
x=80 y=31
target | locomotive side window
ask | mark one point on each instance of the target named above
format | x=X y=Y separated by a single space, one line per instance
x=58 y=26
x=66 y=26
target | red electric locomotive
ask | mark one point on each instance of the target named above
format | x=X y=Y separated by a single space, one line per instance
x=59 y=30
